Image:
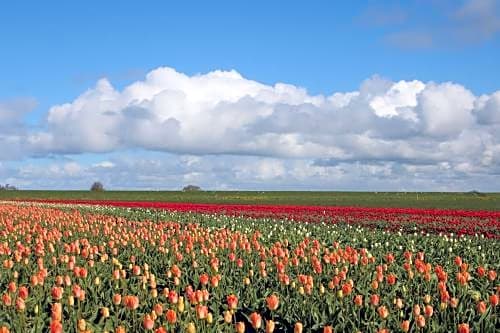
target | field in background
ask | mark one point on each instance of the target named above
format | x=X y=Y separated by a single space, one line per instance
x=467 y=201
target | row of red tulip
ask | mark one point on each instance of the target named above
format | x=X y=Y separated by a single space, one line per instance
x=486 y=223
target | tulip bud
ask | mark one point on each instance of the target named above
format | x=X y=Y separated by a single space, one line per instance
x=105 y=312
x=228 y=316
x=82 y=324
x=20 y=305
x=240 y=327
x=476 y=295
x=269 y=326
x=420 y=321
x=405 y=325
x=180 y=306
x=191 y=328
x=298 y=327
x=148 y=322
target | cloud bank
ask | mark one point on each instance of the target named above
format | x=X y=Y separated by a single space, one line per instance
x=407 y=128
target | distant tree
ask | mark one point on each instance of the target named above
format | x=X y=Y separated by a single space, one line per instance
x=97 y=187
x=7 y=187
x=191 y=188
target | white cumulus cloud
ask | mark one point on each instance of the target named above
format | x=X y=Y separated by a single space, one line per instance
x=222 y=112
x=392 y=127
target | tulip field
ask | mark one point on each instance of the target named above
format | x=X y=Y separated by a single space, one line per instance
x=78 y=266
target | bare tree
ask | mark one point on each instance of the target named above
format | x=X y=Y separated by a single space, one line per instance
x=7 y=187
x=97 y=187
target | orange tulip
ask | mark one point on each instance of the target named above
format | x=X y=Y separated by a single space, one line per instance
x=272 y=302
x=383 y=312
x=158 y=309
x=270 y=326
x=420 y=321
x=416 y=309
x=56 y=327
x=12 y=287
x=481 y=307
x=104 y=312
x=204 y=279
x=81 y=324
x=346 y=289
x=232 y=301
x=240 y=327
x=428 y=310
x=494 y=300
x=56 y=293
x=374 y=299
x=391 y=279
x=131 y=302
x=176 y=271
x=298 y=327
x=117 y=299
x=214 y=281
x=56 y=312
x=328 y=329
x=405 y=325
x=399 y=303
x=463 y=328
x=120 y=329
x=20 y=305
x=358 y=300
x=6 y=300
x=171 y=316
x=173 y=297
x=201 y=311
x=255 y=320
x=148 y=323
x=23 y=292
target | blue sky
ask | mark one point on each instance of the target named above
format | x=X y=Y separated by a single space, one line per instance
x=54 y=52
